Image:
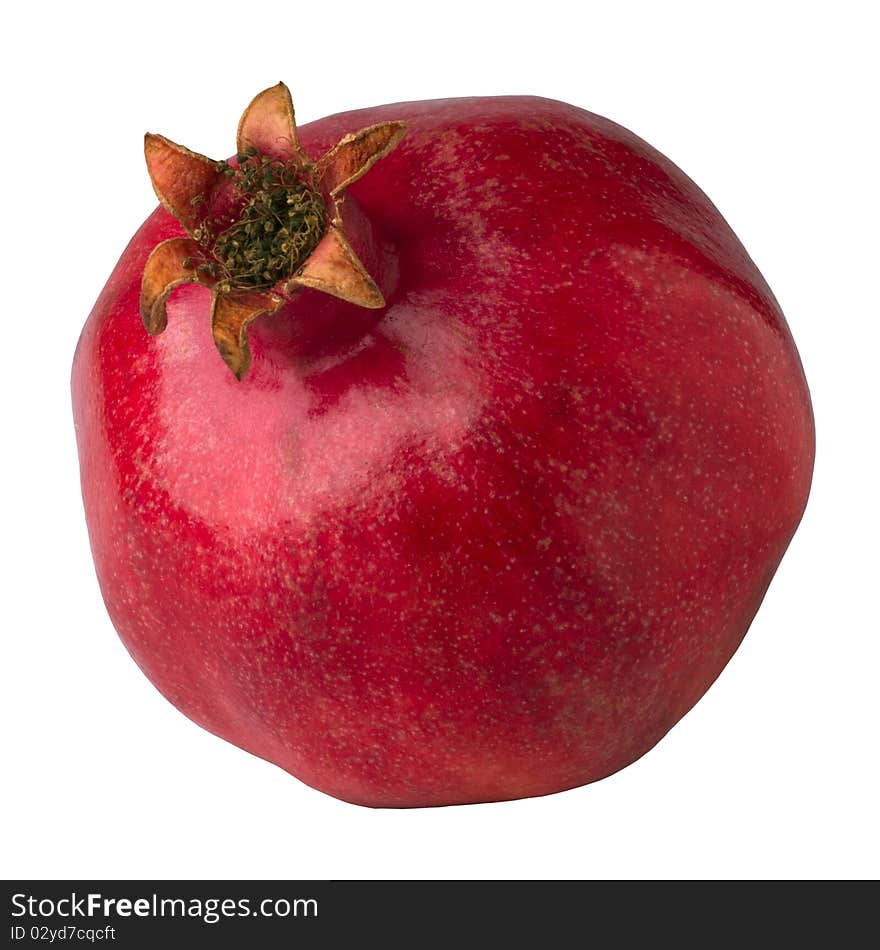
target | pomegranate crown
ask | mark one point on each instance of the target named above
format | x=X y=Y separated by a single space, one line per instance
x=262 y=227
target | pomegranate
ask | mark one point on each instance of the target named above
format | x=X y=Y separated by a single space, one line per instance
x=440 y=452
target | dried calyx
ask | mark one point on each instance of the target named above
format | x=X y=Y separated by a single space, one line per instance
x=262 y=228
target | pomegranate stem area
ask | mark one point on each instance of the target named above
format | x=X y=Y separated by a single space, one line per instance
x=273 y=222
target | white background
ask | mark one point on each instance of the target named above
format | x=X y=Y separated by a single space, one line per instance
x=771 y=108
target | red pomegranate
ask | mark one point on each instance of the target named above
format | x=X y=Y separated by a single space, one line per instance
x=463 y=458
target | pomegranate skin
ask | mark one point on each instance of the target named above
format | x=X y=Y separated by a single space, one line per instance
x=492 y=541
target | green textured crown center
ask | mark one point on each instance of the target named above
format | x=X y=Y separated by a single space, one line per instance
x=276 y=221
